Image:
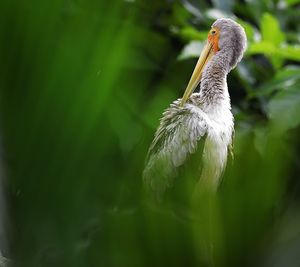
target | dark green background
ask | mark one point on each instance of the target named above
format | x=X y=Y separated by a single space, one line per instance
x=83 y=84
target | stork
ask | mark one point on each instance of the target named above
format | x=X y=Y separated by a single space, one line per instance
x=204 y=116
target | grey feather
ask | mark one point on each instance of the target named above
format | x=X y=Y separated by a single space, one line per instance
x=177 y=136
x=232 y=39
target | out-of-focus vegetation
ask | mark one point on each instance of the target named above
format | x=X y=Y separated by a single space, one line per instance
x=83 y=84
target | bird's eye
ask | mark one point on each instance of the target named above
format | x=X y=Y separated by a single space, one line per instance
x=213 y=32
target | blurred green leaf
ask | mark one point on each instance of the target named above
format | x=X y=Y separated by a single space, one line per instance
x=263 y=47
x=290 y=52
x=192 y=9
x=272 y=34
x=83 y=85
x=190 y=33
x=157 y=105
x=270 y=30
x=292 y=2
x=191 y=50
x=283 y=79
x=275 y=53
x=284 y=109
x=180 y=14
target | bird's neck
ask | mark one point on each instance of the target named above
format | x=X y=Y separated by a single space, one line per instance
x=213 y=87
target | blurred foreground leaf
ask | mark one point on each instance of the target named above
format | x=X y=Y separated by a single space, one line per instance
x=270 y=30
x=284 y=109
x=191 y=50
x=283 y=80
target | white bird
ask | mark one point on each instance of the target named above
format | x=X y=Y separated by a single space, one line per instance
x=199 y=117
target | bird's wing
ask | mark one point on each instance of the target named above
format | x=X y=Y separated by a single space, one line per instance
x=177 y=136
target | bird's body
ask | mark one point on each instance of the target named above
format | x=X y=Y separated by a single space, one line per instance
x=180 y=131
x=200 y=117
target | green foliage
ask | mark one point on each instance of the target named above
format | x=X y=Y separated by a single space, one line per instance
x=83 y=84
x=284 y=108
x=270 y=30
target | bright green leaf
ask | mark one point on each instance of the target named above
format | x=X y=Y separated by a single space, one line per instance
x=271 y=31
x=275 y=54
x=292 y=2
x=290 y=52
x=190 y=33
x=267 y=48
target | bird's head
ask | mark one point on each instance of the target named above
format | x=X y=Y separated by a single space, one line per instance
x=230 y=38
x=228 y=41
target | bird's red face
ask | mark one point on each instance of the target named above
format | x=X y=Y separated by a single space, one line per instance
x=211 y=48
x=213 y=39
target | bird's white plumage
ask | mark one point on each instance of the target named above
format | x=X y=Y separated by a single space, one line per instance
x=180 y=130
x=177 y=136
x=219 y=139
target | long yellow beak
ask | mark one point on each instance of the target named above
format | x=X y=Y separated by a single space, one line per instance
x=205 y=56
